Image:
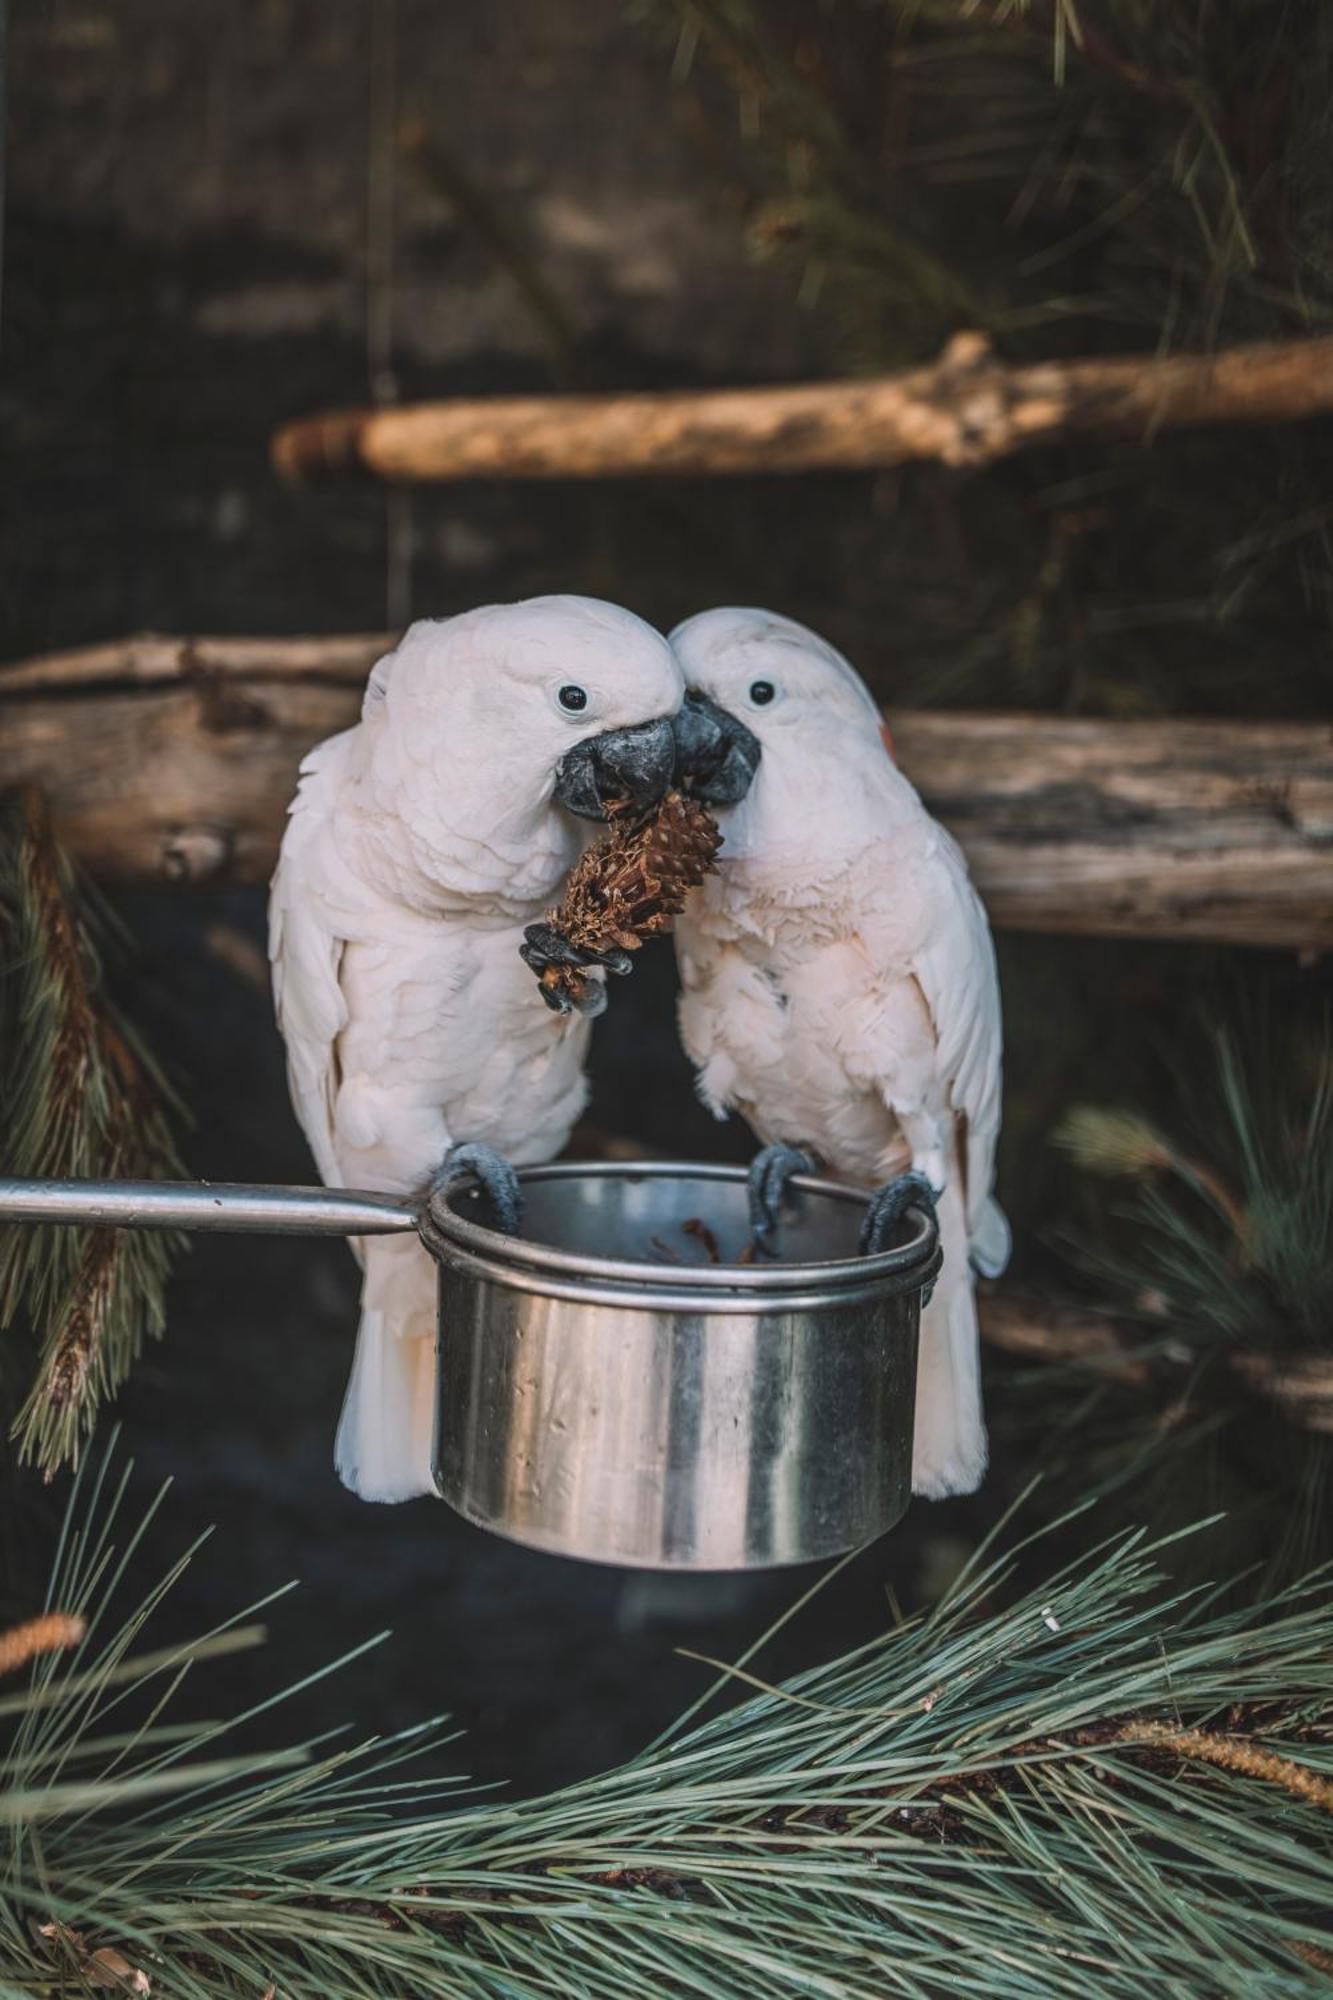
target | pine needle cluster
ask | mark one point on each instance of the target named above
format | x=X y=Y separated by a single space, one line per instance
x=1229 y=1238
x=1085 y=1789
x=1217 y=1264
x=79 y=1097
x=1156 y=169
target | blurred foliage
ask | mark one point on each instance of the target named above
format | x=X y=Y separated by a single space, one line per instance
x=1241 y=1250
x=1215 y=1255
x=1158 y=171
x=1076 y=176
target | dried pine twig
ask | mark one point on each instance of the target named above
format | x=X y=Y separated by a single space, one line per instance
x=631 y=884
x=79 y=1097
x=1238 y=1754
x=103 y=1967
x=51 y=1633
x=1301 y=1387
x=1317 y=1955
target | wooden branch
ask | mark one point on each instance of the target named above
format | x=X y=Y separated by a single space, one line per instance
x=1043 y=1330
x=177 y=758
x=1298 y=1386
x=965 y=409
x=148 y=659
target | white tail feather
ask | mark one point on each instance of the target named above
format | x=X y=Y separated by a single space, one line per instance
x=386 y=1434
x=949 y=1452
x=991 y=1241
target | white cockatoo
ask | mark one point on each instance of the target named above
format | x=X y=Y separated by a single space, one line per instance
x=421 y=843
x=839 y=985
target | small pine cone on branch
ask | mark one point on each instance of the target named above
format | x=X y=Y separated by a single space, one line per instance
x=630 y=885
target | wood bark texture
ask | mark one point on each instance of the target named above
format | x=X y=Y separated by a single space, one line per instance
x=175 y=758
x=965 y=409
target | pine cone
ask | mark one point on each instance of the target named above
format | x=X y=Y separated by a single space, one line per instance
x=630 y=885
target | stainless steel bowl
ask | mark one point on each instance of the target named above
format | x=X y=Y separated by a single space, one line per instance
x=598 y=1399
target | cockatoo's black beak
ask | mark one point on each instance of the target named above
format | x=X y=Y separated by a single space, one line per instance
x=631 y=767
x=716 y=755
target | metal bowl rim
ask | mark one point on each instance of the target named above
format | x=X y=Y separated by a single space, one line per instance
x=537 y=1283
x=698 y=1283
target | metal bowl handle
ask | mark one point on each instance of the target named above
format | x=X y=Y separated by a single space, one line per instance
x=210 y=1205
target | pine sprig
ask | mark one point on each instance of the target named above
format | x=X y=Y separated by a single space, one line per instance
x=1217 y=1265
x=79 y=1098
x=1079 y=1790
x=1232 y=1231
x=1131 y=164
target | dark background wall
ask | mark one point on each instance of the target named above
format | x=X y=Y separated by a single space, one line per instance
x=209 y=232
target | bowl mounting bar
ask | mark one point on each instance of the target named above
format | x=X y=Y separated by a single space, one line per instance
x=209 y=1205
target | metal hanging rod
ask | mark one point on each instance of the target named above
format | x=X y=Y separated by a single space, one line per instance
x=212 y=1205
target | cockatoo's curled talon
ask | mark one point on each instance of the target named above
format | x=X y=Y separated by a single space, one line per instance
x=543 y=945
x=493 y=1175
x=769 y=1174
x=592 y=1001
x=889 y=1204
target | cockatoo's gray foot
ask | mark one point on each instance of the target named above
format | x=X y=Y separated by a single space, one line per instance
x=543 y=947
x=493 y=1175
x=769 y=1174
x=889 y=1204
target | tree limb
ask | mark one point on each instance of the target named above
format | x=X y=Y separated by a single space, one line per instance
x=966 y=409
x=176 y=759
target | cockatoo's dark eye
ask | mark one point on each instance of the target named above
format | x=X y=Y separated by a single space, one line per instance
x=572 y=698
x=762 y=693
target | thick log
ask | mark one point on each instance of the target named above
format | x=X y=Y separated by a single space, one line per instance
x=966 y=409
x=1205 y=830
x=168 y=758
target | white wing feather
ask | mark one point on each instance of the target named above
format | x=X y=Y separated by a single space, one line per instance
x=955 y=968
x=306 y=952
x=414 y=854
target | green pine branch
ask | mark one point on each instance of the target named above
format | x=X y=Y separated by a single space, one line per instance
x=1076 y=1790
x=79 y=1098
x=1230 y=1232
x=1152 y=168
x=1217 y=1265
x=827 y=209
